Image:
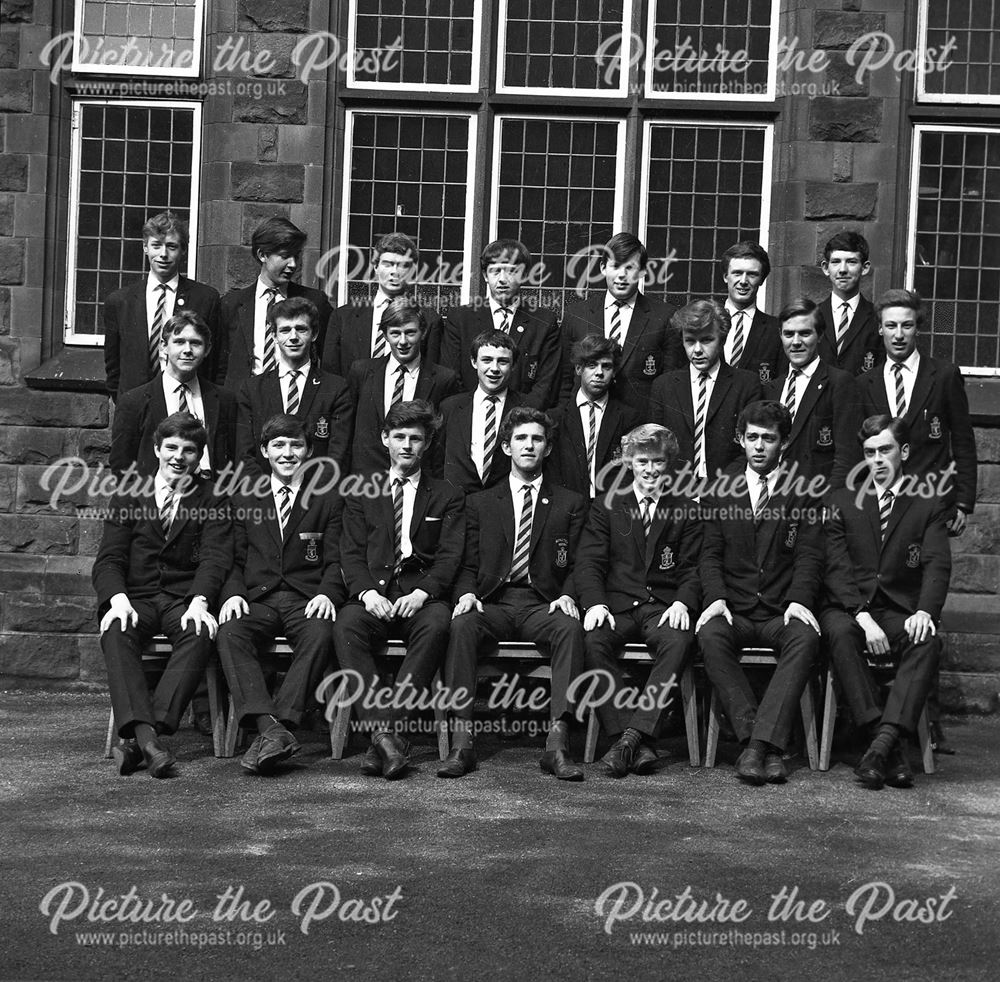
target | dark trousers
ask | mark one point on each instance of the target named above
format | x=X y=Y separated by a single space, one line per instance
x=515 y=614
x=130 y=695
x=359 y=633
x=915 y=666
x=796 y=645
x=240 y=641
x=669 y=648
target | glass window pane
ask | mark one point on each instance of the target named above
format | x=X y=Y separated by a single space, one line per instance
x=963 y=45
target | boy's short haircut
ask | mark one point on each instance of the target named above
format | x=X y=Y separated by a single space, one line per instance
x=847 y=242
x=880 y=422
x=184 y=426
x=187 y=318
x=161 y=225
x=277 y=235
x=699 y=314
x=291 y=308
x=494 y=339
x=402 y=311
x=522 y=415
x=416 y=412
x=622 y=247
x=397 y=243
x=650 y=437
x=747 y=250
x=909 y=299
x=284 y=425
x=505 y=251
x=801 y=307
x=767 y=413
x=593 y=347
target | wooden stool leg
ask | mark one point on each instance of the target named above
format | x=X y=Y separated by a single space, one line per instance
x=214 y=682
x=712 y=737
x=829 y=718
x=690 y=704
x=232 y=730
x=593 y=732
x=111 y=734
x=441 y=721
x=338 y=731
x=924 y=738
x=809 y=725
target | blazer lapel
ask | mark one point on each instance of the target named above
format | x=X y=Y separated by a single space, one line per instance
x=574 y=432
x=312 y=386
x=655 y=531
x=505 y=504
x=723 y=383
x=636 y=328
x=540 y=516
x=922 y=386
x=421 y=502
x=858 y=323
x=425 y=381
x=900 y=505
x=809 y=399
x=246 y=315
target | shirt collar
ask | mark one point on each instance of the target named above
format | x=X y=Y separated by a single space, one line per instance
x=713 y=373
x=610 y=300
x=413 y=479
x=152 y=283
x=480 y=397
x=582 y=400
x=809 y=370
x=495 y=306
x=517 y=485
x=412 y=369
x=838 y=304
x=733 y=310
x=753 y=478
x=640 y=496
x=284 y=369
x=895 y=487
x=380 y=298
x=912 y=363
x=171 y=383
x=264 y=288
x=294 y=484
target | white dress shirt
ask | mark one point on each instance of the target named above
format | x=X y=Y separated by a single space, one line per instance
x=801 y=382
x=410 y=378
x=195 y=406
x=262 y=300
x=694 y=374
x=909 y=375
x=583 y=407
x=479 y=426
x=749 y=314
x=153 y=299
x=624 y=317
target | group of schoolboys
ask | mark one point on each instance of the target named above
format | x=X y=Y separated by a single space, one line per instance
x=638 y=473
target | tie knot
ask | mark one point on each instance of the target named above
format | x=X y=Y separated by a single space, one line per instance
x=649 y=501
x=704 y=376
x=618 y=303
x=898 y=368
x=284 y=490
x=162 y=287
x=493 y=399
x=399 y=482
x=887 y=496
x=401 y=370
x=527 y=490
x=294 y=373
x=182 y=388
x=796 y=372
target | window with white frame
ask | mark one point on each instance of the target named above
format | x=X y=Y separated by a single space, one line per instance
x=408 y=172
x=558 y=189
x=705 y=186
x=431 y=45
x=953 y=258
x=128 y=161
x=131 y=37
x=724 y=50
x=958 y=52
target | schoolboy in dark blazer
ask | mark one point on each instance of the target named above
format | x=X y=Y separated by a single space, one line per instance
x=888 y=568
x=286 y=580
x=636 y=575
x=399 y=573
x=298 y=387
x=761 y=568
x=166 y=549
x=515 y=584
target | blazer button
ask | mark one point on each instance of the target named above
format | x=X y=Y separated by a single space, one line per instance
x=635 y=603
x=381 y=582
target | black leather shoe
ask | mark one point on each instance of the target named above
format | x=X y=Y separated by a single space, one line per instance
x=394 y=754
x=159 y=760
x=775 y=771
x=458 y=763
x=371 y=763
x=871 y=770
x=898 y=773
x=128 y=757
x=203 y=723
x=276 y=745
x=750 y=767
x=619 y=758
x=249 y=760
x=560 y=764
x=646 y=760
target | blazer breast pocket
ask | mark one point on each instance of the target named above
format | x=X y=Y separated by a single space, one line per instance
x=312 y=547
x=823 y=442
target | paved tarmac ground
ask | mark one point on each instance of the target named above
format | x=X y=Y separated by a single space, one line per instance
x=503 y=874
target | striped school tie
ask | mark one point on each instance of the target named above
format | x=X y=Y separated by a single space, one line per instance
x=699 y=424
x=380 y=346
x=615 y=332
x=182 y=402
x=647 y=515
x=519 y=566
x=738 y=339
x=842 y=326
x=790 y=393
x=284 y=508
x=900 y=391
x=505 y=323
x=489 y=435
x=292 y=397
x=885 y=508
x=592 y=436
x=270 y=358
x=156 y=334
x=397 y=391
x=397 y=514
x=167 y=510
x=763 y=497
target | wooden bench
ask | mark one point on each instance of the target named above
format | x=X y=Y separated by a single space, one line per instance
x=766 y=656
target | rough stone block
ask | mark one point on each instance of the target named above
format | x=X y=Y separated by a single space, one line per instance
x=45 y=614
x=843 y=163
x=987 y=445
x=975 y=574
x=33 y=444
x=13 y=172
x=268 y=182
x=966 y=693
x=289 y=105
x=61 y=488
x=15 y=90
x=241 y=268
x=852 y=201
x=12 y=261
x=63 y=575
x=844 y=78
x=989 y=485
x=10 y=49
x=971 y=653
x=38 y=534
x=17 y=11
x=835 y=29
x=30 y=407
x=253 y=215
x=4 y=310
x=90 y=536
x=273 y=16
x=6 y=214
x=94 y=446
x=856 y=120
x=267 y=143
x=39 y=656
x=8 y=487
x=92 y=666
x=271 y=54
x=982 y=533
